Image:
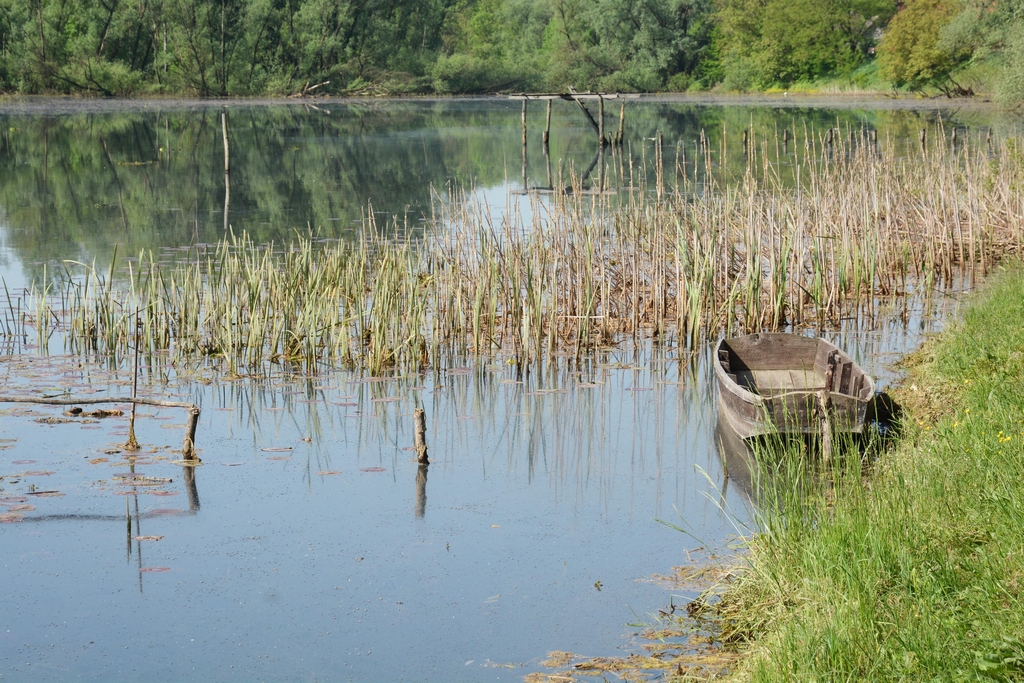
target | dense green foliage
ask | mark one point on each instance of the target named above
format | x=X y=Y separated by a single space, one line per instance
x=768 y=42
x=910 y=54
x=248 y=47
x=914 y=573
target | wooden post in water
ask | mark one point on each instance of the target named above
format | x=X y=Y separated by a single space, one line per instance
x=547 y=127
x=524 y=121
x=524 y=144
x=600 y=122
x=224 y=134
x=227 y=167
x=659 y=159
x=420 y=436
x=133 y=444
x=188 y=447
x=746 y=142
x=622 y=123
x=924 y=137
x=547 y=166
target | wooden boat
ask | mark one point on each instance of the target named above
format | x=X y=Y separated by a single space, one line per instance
x=789 y=383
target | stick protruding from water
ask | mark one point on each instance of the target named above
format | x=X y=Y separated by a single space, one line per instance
x=133 y=444
x=189 y=447
x=420 y=431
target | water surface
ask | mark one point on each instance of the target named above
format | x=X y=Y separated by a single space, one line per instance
x=309 y=545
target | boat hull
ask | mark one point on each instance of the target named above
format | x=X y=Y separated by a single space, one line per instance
x=770 y=383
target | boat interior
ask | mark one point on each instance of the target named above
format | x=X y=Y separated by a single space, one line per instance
x=768 y=364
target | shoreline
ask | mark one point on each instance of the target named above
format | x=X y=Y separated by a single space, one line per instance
x=56 y=105
x=913 y=569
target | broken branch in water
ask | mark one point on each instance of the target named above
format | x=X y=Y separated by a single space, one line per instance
x=188 y=447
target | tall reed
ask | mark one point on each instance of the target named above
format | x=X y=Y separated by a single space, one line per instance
x=829 y=232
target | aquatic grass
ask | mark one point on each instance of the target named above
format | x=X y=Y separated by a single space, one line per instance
x=913 y=567
x=861 y=228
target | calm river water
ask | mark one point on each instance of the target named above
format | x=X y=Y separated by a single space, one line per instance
x=309 y=545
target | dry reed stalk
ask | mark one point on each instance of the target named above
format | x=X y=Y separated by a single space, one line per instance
x=845 y=228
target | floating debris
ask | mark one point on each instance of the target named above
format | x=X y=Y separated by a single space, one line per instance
x=276 y=449
x=373 y=469
x=143 y=479
x=154 y=570
x=61 y=421
x=99 y=412
x=557 y=658
x=22 y=462
x=147 y=538
x=327 y=473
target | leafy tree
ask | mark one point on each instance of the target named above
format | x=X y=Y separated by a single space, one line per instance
x=766 y=42
x=990 y=32
x=626 y=44
x=910 y=53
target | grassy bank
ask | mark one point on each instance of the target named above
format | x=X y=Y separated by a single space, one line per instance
x=915 y=570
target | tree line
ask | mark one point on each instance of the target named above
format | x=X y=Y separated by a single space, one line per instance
x=368 y=47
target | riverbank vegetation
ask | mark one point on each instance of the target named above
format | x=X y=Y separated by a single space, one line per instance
x=912 y=568
x=839 y=227
x=304 y=47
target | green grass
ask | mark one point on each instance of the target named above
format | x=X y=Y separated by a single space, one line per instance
x=911 y=569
